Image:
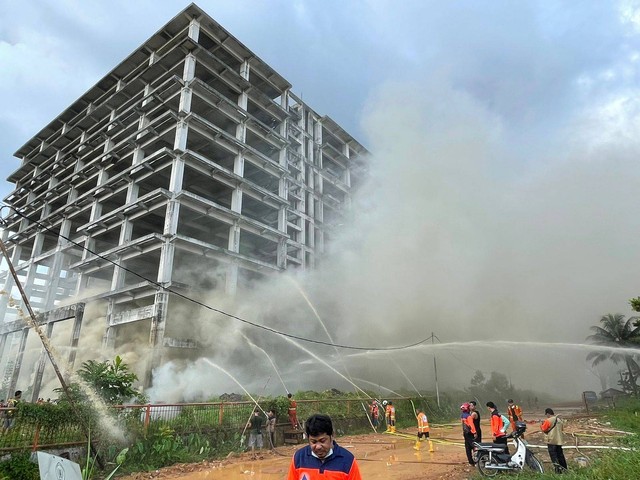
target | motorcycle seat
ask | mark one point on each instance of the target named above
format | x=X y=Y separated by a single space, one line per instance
x=487 y=446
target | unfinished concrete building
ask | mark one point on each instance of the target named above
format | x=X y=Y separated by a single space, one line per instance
x=191 y=155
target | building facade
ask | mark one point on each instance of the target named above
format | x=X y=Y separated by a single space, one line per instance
x=190 y=166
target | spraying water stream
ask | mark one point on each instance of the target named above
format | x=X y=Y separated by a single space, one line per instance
x=406 y=377
x=237 y=382
x=317 y=315
x=268 y=357
x=507 y=344
x=309 y=352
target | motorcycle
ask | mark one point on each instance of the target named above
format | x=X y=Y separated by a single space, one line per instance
x=491 y=458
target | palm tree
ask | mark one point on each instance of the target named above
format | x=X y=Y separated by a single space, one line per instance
x=617 y=332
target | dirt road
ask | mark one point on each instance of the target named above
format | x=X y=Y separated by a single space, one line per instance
x=385 y=456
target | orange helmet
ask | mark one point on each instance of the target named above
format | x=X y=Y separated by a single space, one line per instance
x=465 y=407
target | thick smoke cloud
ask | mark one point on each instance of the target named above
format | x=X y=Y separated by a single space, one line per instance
x=500 y=203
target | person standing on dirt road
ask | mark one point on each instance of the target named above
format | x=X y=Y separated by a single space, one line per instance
x=514 y=413
x=390 y=416
x=497 y=426
x=553 y=429
x=423 y=429
x=271 y=427
x=255 y=431
x=468 y=431
x=322 y=458
x=375 y=413
x=475 y=415
x=293 y=412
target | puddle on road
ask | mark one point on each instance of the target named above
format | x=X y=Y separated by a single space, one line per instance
x=399 y=461
x=262 y=470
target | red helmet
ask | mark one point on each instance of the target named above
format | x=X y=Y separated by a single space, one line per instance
x=465 y=407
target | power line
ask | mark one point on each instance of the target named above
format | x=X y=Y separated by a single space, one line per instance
x=202 y=304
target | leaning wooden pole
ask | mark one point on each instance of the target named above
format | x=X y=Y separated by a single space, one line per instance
x=33 y=323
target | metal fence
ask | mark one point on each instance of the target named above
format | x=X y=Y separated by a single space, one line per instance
x=219 y=420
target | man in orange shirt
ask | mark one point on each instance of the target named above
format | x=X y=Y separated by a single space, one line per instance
x=323 y=458
x=497 y=426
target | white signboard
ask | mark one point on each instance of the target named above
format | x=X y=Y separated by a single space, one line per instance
x=53 y=467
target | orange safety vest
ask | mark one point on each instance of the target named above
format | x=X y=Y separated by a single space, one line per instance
x=423 y=423
x=391 y=412
x=292 y=406
x=515 y=414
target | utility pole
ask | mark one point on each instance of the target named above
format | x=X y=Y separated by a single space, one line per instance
x=435 y=370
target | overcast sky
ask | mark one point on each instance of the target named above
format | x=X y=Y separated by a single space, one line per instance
x=504 y=133
x=539 y=66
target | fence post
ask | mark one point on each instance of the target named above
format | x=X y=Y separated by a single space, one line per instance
x=36 y=439
x=348 y=407
x=220 y=413
x=147 y=417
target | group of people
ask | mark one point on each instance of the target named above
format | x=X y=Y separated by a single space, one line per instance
x=389 y=414
x=255 y=425
x=323 y=454
x=552 y=427
x=257 y=422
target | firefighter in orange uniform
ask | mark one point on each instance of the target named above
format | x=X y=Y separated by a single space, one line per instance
x=515 y=414
x=423 y=429
x=390 y=417
x=373 y=409
x=293 y=412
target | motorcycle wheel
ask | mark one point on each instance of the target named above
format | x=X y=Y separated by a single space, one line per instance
x=483 y=461
x=533 y=463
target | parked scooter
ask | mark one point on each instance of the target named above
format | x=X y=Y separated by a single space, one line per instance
x=491 y=457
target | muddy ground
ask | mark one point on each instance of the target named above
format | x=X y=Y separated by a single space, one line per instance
x=388 y=456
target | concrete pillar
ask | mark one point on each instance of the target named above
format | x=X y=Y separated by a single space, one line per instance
x=75 y=333
x=194 y=29
x=118 y=278
x=243 y=100
x=156 y=335
x=231 y=279
x=56 y=267
x=33 y=267
x=234 y=237
x=3 y=343
x=42 y=362
x=186 y=95
x=236 y=204
x=189 y=71
x=182 y=130
x=245 y=70
x=177 y=175
x=18 y=364
x=281 y=254
x=9 y=283
x=109 y=337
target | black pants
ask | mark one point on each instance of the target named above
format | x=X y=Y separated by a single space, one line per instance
x=503 y=440
x=557 y=457
x=468 y=447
